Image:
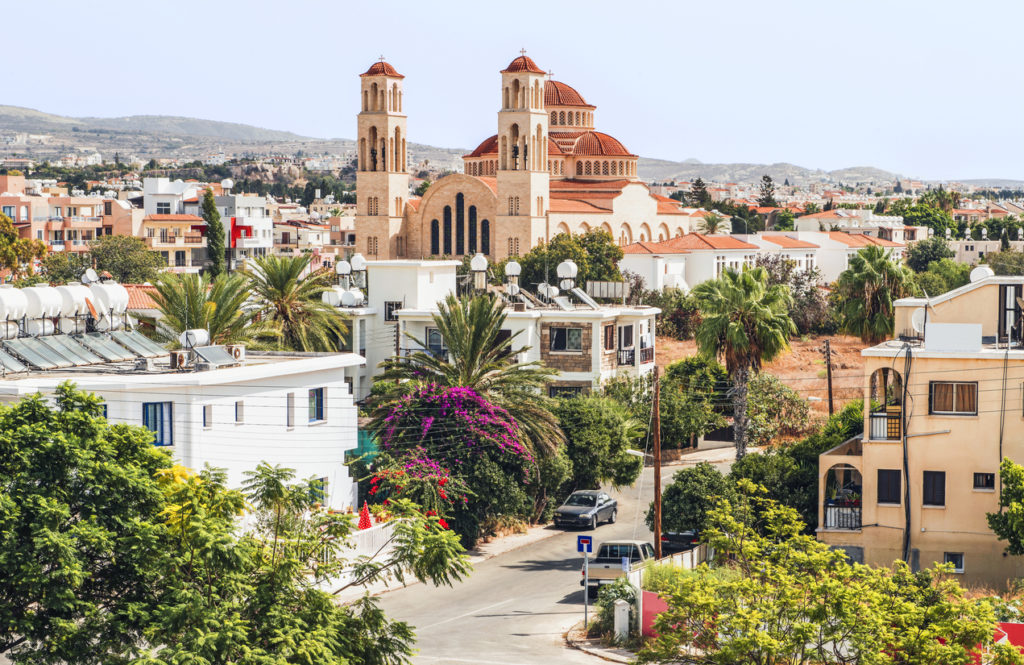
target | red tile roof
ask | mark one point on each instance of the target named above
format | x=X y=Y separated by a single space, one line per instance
x=861 y=240
x=139 y=296
x=590 y=144
x=172 y=218
x=690 y=242
x=573 y=205
x=789 y=243
x=824 y=214
x=415 y=203
x=557 y=93
x=382 y=68
x=489 y=146
x=523 y=64
x=593 y=185
x=644 y=247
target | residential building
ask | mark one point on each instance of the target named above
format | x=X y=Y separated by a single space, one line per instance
x=943 y=406
x=178 y=237
x=685 y=261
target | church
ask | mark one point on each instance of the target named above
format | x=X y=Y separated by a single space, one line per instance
x=546 y=171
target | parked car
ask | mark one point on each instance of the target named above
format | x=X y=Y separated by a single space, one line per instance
x=673 y=542
x=587 y=508
x=606 y=567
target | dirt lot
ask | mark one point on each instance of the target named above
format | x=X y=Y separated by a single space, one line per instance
x=801 y=368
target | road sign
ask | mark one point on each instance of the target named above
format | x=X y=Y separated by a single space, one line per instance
x=584 y=544
x=625 y=563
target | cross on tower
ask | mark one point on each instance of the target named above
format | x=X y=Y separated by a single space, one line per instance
x=522 y=51
x=551 y=74
x=382 y=58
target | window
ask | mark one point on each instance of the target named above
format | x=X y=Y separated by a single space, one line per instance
x=163 y=208
x=157 y=418
x=207 y=416
x=565 y=391
x=318 y=490
x=953 y=398
x=609 y=338
x=289 y=416
x=626 y=337
x=955 y=558
x=390 y=307
x=984 y=481
x=104 y=407
x=239 y=412
x=935 y=488
x=316 y=405
x=889 y=485
x=435 y=344
x=566 y=339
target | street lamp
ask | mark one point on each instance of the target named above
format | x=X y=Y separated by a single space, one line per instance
x=358 y=265
x=566 y=272
x=478 y=266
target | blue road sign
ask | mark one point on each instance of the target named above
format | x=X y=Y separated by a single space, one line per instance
x=584 y=544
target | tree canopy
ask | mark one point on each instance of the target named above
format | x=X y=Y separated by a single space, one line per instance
x=214 y=234
x=595 y=253
x=598 y=432
x=126 y=258
x=869 y=287
x=17 y=254
x=923 y=252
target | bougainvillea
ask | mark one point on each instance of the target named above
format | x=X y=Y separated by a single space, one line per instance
x=422 y=480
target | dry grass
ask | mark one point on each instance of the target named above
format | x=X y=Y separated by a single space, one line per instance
x=800 y=368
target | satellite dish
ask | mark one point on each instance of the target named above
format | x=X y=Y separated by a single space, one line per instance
x=980 y=273
x=90 y=276
x=542 y=288
x=918 y=319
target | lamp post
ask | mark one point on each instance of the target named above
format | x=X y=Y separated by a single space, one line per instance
x=478 y=266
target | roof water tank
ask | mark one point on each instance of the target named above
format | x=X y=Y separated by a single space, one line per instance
x=42 y=302
x=37 y=327
x=333 y=296
x=352 y=298
x=12 y=303
x=73 y=296
x=109 y=297
x=71 y=326
x=8 y=330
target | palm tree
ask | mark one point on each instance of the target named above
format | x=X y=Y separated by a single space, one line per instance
x=189 y=301
x=746 y=321
x=479 y=357
x=868 y=287
x=711 y=223
x=293 y=300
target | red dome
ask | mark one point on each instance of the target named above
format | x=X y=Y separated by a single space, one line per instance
x=596 y=144
x=382 y=68
x=489 y=146
x=523 y=64
x=557 y=93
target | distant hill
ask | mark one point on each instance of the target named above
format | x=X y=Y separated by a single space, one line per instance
x=661 y=170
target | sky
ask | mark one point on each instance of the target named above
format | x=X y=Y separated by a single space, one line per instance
x=926 y=89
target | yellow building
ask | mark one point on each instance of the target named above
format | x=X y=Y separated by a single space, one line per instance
x=944 y=404
x=546 y=171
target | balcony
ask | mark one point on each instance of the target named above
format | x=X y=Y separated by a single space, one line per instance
x=885 y=425
x=842 y=514
x=627 y=357
x=171 y=241
x=646 y=355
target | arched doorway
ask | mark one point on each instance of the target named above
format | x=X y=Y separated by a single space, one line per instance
x=844 y=488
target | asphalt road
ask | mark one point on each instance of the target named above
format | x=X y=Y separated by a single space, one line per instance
x=513 y=609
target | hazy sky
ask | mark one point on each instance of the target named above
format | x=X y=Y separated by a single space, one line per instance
x=931 y=89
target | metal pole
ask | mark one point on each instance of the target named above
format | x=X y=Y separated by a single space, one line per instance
x=656 y=408
x=828 y=367
x=586 y=591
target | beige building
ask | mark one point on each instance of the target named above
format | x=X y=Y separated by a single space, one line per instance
x=547 y=171
x=948 y=406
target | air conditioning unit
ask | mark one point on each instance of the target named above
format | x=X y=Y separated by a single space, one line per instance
x=237 y=351
x=179 y=359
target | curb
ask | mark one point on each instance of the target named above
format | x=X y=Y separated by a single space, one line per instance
x=581 y=645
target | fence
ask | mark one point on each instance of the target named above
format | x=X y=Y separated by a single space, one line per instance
x=648 y=604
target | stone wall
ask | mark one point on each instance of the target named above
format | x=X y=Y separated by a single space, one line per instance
x=567 y=361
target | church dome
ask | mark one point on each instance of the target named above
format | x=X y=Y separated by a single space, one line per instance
x=381 y=68
x=522 y=64
x=596 y=144
x=557 y=93
x=489 y=146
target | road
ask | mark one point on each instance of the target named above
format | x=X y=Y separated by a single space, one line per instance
x=514 y=608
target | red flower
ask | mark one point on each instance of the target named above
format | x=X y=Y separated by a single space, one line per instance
x=385 y=502
x=444 y=525
x=443 y=482
x=373 y=490
x=443 y=495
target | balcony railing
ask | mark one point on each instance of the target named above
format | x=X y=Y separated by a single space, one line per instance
x=885 y=426
x=627 y=357
x=647 y=355
x=839 y=516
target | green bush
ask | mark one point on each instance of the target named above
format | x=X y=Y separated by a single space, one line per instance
x=606 y=597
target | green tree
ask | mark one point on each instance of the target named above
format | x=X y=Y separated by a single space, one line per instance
x=869 y=287
x=766 y=197
x=480 y=358
x=811 y=208
x=711 y=223
x=126 y=258
x=64 y=267
x=774 y=409
x=214 y=235
x=290 y=298
x=941 y=276
x=785 y=220
x=923 y=214
x=694 y=492
x=595 y=253
x=1008 y=523
x=699 y=196
x=1006 y=263
x=747 y=321
x=921 y=253
x=693 y=392
x=598 y=432
x=17 y=254
x=79 y=531
x=189 y=301
x=603 y=256
x=422 y=188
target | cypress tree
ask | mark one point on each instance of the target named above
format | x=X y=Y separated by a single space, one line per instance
x=214 y=234
x=699 y=194
x=767 y=197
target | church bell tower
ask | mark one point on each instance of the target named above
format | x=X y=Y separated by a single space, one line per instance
x=523 y=177
x=382 y=178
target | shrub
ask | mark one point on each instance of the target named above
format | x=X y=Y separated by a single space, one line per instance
x=606 y=597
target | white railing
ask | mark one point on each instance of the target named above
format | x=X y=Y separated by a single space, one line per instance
x=367 y=542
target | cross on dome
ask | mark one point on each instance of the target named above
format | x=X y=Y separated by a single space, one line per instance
x=522 y=51
x=381 y=59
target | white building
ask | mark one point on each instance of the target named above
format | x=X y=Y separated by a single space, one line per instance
x=290 y=409
x=587 y=345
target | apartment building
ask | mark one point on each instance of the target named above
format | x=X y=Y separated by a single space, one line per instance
x=248 y=227
x=588 y=343
x=63 y=222
x=944 y=404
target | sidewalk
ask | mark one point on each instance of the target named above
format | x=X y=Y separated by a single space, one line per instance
x=713 y=456
x=480 y=553
x=575 y=638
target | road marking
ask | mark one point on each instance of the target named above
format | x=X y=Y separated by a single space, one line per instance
x=463 y=616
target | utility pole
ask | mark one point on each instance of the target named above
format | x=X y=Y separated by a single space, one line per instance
x=828 y=368
x=656 y=414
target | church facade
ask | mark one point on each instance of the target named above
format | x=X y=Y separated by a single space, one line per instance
x=546 y=171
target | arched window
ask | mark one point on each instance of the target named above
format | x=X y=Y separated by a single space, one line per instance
x=373 y=91
x=510 y=200
x=485 y=237
x=586 y=169
x=435 y=237
x=516 y=98
x=447 y=230
x=517 y=205
x=472 y=230
x=505 y=105
x=366 y=100
x=604 y=168
x=554 y=117
x=579 y=168
x=460 y=224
